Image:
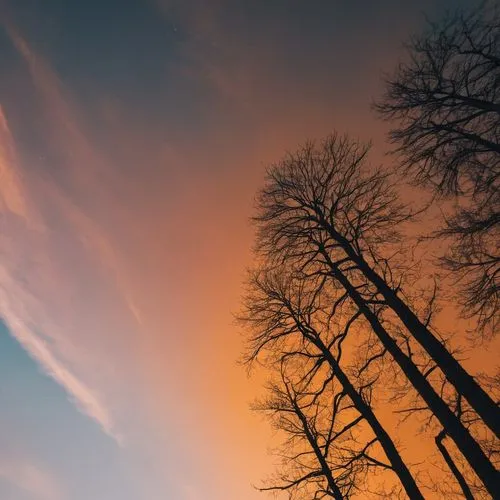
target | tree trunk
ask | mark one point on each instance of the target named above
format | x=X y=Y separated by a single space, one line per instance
x=452 y=369
x=450 y=422
x=464 y=383
x=325 y=469
x=451 y=464
x=383 y=437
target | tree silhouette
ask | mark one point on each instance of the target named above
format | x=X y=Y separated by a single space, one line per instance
x=324 y=214
x=293 y=316
x=439 y=440
x=313 y=421
x=444 y=107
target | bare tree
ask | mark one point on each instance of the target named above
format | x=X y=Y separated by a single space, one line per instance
x=457 y=470
x=290 y=316
x=411 y=406
x=445 y=102
x=319 y=453
x=439 y=440
x=469 y=485
x=324 y=214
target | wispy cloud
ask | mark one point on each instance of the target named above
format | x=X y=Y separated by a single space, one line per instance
x=11 y=192
x=30 y=478
x=17 y=302
x=84 y=166
x=37 y=347
x=37 y=289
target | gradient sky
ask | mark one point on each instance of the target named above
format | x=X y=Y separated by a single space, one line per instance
x=133 y=136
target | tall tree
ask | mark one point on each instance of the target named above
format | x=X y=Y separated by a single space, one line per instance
x=313 y=421
x=461 y=480
x=323 y=213
x=290 y=315
x=443 y=103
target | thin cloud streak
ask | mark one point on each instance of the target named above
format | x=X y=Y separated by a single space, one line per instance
x=12 y=197
x=30 y=478
x=83 y=398
x=85 y=170
x=37 y=348
x=16 y=300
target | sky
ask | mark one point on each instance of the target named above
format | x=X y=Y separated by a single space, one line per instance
x=133 y=137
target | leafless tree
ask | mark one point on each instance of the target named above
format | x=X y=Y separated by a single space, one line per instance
x=439 y=440
x=458 y=480
x=444 y=102
x=321 y=453
x=323 y=213
x=469 y=486
x=289 y=315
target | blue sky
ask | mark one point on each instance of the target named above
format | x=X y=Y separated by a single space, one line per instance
x=38 y=420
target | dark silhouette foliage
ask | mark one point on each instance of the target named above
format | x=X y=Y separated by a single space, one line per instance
x=443 y=104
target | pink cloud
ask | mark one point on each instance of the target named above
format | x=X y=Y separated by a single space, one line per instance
x=10 y=183
x=30 y=478
x=19 y=306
